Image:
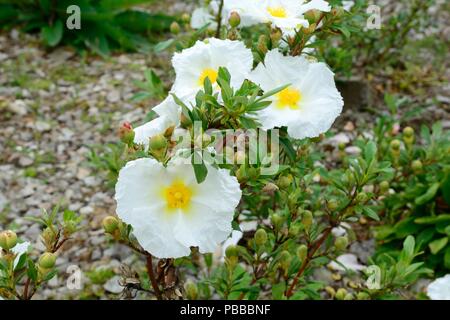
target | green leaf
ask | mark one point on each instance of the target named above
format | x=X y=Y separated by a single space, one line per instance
x=52 y=35
x=371 y=213
x=408 y=246
x=200 y=169
x=446 y=189
x=370 y=151
x=278 y=291
x=438 y=245
x=32 y=271
x=429 y=195
x=447 y=258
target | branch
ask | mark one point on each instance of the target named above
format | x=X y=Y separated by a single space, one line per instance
x=151 y=275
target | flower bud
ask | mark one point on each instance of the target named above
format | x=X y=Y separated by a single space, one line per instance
x=284 y=181
x=8 y=239
x=185 y=17
x=332 y=205
x=307 y=219
x=231 y=251
x=185 y=122
x=330 y=291
x=285 y=259
x=408 y=132
x=275 y=36
x=234 y=20
x=175 y=28
x=270 y=188
x=348 y=296
x=241 y=175
x=191 y=290
x=363 y=296
x=262 y=44
x=294 y=230
x=48 y=235
x=260 y=237
x=157 y=142
x=417 y=166
x=110 y=224
x=384 y=186
x=253 y=173
x=337 y=12
x=302 y=252
x=395 y=145
x=277 y=221
x=362 y=197
x=126 y=133
x=312 y=15
x=47 y=260
x=341 y=243
x=340 y=294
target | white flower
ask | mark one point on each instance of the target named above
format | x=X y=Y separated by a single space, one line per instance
x=349 y=261
x=348 y=5
x=284 y=14
x=309 y=106
x=169 y=116
x=203 y=60
x=439 y=289
x=170 y=212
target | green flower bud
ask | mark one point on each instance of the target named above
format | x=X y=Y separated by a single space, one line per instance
x=332 y=205
x=8 y=239
x=234 y=20
x=362 y=197
x=175 y=28
x=110 y=224
x=277 y=221
x=294 y=230
x=341 y=146
x=340 y=294
x=417 y=166
x=408 y=132
x=408 y=140
x=285 y=259
x=275 y=36
x=231 y=251
x=262 y=44
x=337 y=12
x=312 y=15
x=384 y=186
x=395 y=145
x=363 y=296
x=348 y=296
x=341 y=243
x=302 y=252
x=307 y=219
x=260 y=237
x=253 y=173
x=241 y=174
x=330 y=291
x=185 y=122
x=126 y=133
x=285 y=181
x=48 y=235
x=186 y=18
x=158 y=142
x=191 y=290
x=47 y=260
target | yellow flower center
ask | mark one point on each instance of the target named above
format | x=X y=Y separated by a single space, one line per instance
x=288 y=98
x=178 y=195
x=277 y=12
x=210 y=73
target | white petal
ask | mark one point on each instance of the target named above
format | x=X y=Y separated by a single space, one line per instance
x=349 y=261
x=439 y=289
x=19 y=249
x=142 y=134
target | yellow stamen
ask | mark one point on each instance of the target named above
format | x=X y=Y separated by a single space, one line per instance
x=210 y=73
x=277 y=12
x=288 y=98
x=178 y=195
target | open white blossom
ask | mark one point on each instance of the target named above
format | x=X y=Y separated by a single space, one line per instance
x=170 y=212
x=203 y=60
x=439 y=289
x=205 y=15
x=311 y=103
x=284 y=14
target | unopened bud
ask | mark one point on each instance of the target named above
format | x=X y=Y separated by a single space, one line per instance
x=260 y=237
x=312 y=15
x=362 y=197
x=231 y=251
x=341 y=243
x=384 y=186
x=285 y=259
x=158 y=142
x=417 y=166
x=270 y=188
x=175 y=28
x=340 y=294
x=110 y=224
x=408 y=132
x=332 y=205
x=294 y=230
x=47 y=260
x=275 y=36
x=277 y=221
x=307 y=219
x=395 y=145
x=126 y=133
x=348 y=296
x=302 y=252
x=234 y=20
x=330 y=291
x=48 y=235
x=363 y=296
x=285 y=181
x=185 y=17
x=8 y=239
x=337 y=12
x=191 y=290
x=262 y=44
